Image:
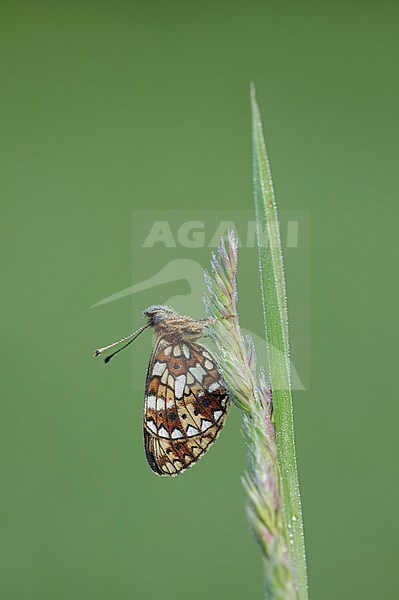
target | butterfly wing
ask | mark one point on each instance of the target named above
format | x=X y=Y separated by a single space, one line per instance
x=185 y=408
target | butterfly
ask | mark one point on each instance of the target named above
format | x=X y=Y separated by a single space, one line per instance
x=186 y=400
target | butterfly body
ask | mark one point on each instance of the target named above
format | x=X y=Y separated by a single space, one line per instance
x=186 y=400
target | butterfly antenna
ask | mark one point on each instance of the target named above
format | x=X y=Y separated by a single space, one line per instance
x=108 y=358
x=133 y=336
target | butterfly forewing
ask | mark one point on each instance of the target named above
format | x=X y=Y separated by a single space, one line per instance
x=185 y=405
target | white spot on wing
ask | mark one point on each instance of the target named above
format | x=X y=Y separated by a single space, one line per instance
x=176 y=433
x=205 y=425
x=171 y=382
x=198 y=372
x=151 y=401
x=160 y=404
x=214 y=386
x=151 y=425
x=217 y=414
x=179 y=385
x=190 y=378
x=176 y=351
x=158 y=368
x=162 y=432
x=168 y=350
x=169 y=403
x=186 y=351
x=209 y=365
x=164 y=377
x=191 y=431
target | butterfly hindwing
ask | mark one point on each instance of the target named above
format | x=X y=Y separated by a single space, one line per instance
x=185 y=405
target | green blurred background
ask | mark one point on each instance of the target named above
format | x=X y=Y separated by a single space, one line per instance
x=111 y=107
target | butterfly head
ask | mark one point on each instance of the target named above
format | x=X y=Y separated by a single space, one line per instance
x=157 y=313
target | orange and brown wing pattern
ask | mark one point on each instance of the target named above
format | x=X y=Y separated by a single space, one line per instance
x=185 y=408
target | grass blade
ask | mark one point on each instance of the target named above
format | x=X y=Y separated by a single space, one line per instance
x=277 y=338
